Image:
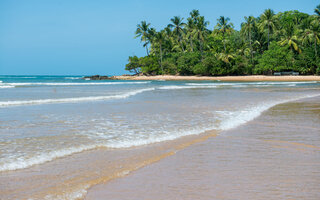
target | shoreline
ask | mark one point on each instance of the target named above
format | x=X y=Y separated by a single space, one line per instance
x=220 y=78
x=244 y=170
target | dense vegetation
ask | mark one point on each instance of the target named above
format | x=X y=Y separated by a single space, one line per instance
x=286 y=41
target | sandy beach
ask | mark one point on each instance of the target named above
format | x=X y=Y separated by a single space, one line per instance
x=221 y=78
x=275 y=156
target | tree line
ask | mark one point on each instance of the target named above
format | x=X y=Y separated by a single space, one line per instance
x=272 y=42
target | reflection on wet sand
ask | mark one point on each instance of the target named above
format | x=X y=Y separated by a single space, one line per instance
x=273 y=157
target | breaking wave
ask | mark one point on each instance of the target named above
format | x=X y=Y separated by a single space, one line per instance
x=70 y=100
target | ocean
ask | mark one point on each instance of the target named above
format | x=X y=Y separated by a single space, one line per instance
x=50 y=124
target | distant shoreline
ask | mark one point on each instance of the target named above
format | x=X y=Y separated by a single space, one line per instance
x=220 y=78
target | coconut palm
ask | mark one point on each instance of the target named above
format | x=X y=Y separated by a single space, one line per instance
x=201 y=31
x=317 y=10
x=190 y=27
x=289 y=37
x=311 y=33
x=159 y=38
x=169 y=42
x=247 y=29
x=225 y=56
x=268 y=21
x=142 y=31
x=194 y=15
x=223 y=26
x=178 y=25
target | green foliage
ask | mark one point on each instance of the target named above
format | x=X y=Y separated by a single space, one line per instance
x=169 y=67
x=133 y=65
x=318 y=71
x=306 y=63
x=149 y=65
x=276 y=59
x=186 y=62
x=271 y=42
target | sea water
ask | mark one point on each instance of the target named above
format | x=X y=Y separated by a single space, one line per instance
x=47 y=118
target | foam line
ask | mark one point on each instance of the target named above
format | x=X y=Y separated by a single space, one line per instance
x=70 y=100
x=73 y=83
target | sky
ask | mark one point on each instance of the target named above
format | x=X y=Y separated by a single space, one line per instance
x=87 y=37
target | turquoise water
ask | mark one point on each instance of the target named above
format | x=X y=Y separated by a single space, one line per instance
x=43 y=118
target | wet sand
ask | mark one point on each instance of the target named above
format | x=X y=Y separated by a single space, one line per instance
x=275 y=156
x=70 y=177
x=221 y=78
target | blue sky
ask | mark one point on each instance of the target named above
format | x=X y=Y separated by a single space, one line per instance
x=78 y=37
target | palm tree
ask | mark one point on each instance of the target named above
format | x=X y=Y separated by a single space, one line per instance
x=201 y=31
x=289 y=37
x=177 y=25
x=194 y=15
x=159 y=38
x=223 y=26
x=268 y=21
x=190 y=31
x=142 y=31
x=246 y=30
x=169 y=42
x=317 y=10
x=311 y=33
x=315 y=35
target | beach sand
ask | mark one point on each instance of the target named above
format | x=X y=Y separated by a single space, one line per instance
x=275 y=156
x=222 y=78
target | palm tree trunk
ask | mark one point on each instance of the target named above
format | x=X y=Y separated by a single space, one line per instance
x=147 y=50
x=268 y=35
x=161 y=58
x=201 y=50
x=251 y=47
x=224 y=42
x=182 y=47
x=315 y=47
x=180 y=40
x=191 y=45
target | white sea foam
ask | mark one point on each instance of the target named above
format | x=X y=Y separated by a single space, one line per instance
x=73 y=83
x=18 y=77
x=230 y=119
x=208 y=84
x=21 y=163
x=6 y=86
x=72 y=78
x=76 y=99
x=257 y=84
x=233 y=119
x=177 y=87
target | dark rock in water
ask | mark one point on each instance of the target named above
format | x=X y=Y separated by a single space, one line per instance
x=98 y=77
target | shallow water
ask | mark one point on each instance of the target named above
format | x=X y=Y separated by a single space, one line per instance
x=46 y=120
x=276 y=156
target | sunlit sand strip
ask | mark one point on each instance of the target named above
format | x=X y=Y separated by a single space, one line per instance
x=297 y=144
x=223 y=78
